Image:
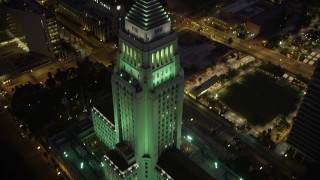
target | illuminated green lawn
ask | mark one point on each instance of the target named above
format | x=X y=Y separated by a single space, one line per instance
x=259 y=99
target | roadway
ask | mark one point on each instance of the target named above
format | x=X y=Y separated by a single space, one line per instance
x=295 y=67
x=262 y=155
x=39 y=166
x=36 y=75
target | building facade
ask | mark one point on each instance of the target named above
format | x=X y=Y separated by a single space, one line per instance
x=101 y=18
x=103 y=128
x=304 y=137
x=147 y=90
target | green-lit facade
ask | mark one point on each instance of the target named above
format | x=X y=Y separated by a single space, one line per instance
x=103 y=128
x=147 y=89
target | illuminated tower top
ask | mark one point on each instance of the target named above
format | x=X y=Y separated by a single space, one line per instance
x=147 y=20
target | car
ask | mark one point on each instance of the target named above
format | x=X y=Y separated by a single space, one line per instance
x=23 y=135
x=4 y=93
x=8 y=81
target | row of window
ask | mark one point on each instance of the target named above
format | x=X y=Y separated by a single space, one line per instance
x=162 y=57
x=167 y=90
x=125 y=108
x=104 y=133
x=158 y=30
x=131 y=55
x=162 y=75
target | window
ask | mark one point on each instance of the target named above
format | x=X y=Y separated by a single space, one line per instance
x=156 y=31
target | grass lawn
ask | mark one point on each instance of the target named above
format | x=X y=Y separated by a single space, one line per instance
x=259 y=99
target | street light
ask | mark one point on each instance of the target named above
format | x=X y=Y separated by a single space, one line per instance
x=216 y=165
x=189 y=138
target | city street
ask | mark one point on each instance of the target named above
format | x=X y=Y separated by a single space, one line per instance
x=262 y=155
x=39 y=166
x=295 y=67
x=36 y=75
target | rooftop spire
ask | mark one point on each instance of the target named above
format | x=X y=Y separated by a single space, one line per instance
x=147 y=14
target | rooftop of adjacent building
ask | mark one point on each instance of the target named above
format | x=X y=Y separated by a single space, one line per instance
x=81 y=3
x=98 y=9
x=82 y=127
x=106 y=109
x=124 y=148
x=29 y=6
x=232 y=21
x=109 y=2
x=239 y=5
x=173 y=162
x=73 y=152
x=251 y=11
x=179 y=166
x=204 y=86
x=117 y=156
x=270 y=12
x=255 y=11
x=79 y=7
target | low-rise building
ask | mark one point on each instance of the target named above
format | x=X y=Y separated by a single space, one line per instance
x=255 y=16
x=72 y=150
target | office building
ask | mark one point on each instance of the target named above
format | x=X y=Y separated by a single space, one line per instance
x=255 y=16
x=38 y=24
x=304 y=137
x=147 y=90
x=100 y=18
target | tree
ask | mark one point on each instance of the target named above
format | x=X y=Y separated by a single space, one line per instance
x=50 y=83
x=60 y=75
x=49 y=74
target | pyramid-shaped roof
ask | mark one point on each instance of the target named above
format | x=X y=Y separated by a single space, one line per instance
x=147 y=14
